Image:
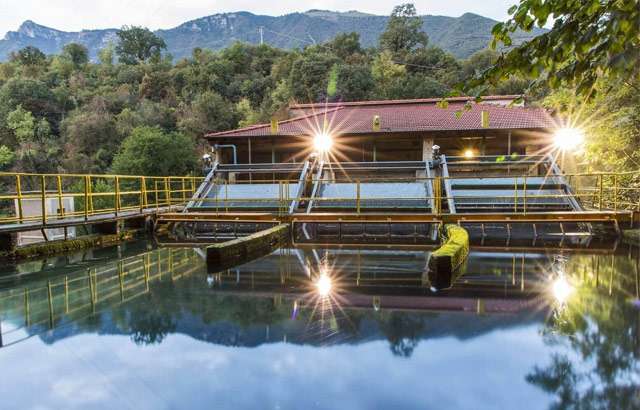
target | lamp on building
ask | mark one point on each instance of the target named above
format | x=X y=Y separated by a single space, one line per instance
x=468 y=153
x=322 y=142
x=568 y=139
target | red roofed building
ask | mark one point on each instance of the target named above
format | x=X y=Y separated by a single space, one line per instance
x=395 y=130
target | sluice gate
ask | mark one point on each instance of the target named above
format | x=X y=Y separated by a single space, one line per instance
x=503 y=184
x=405 y=201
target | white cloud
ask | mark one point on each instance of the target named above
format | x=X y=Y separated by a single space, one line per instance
x=72 y=15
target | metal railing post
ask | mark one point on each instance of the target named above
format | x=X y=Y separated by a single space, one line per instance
x=515 y=195
x=91 y=210
x=167 y=193
x=437 y=181
x=615 y=192
x=60 y=203
x=155 y=192
x=86 y=198
x=50 y=298
x=117 y=195
x=358 y=196
x=27 y=308
x=19 y=195
x=43 y=199
x=601 y=197
x=524 y=197
x=143 y=194
x=226 y=195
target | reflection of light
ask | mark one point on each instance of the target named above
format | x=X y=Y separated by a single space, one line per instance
x=562 y=289
x=468 y=153
x=568 y=138
x=322 y=142
x=323 y=285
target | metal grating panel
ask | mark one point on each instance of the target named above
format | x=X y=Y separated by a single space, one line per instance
x=393 y=195
x=250 y=196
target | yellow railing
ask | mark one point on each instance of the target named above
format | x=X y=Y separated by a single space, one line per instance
x=85 y=292
x=593 y=191
x=47 y=197
x=26 y=197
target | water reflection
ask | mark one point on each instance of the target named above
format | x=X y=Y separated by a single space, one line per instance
x=576 y=310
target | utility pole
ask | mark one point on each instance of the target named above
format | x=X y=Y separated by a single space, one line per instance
x=261 y=30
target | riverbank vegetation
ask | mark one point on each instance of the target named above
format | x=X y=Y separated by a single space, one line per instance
x=65 y=113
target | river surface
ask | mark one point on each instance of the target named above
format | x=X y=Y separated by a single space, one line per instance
x=141 y=327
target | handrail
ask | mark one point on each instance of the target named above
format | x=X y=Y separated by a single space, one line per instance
x=87 y=195
x=83 y=196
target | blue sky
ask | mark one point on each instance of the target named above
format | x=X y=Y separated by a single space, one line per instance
x=71 y=15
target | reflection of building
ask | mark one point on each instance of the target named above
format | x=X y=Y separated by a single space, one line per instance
x=54 y=207
x=507 y=284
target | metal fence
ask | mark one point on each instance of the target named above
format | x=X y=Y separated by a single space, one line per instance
x=91 y=195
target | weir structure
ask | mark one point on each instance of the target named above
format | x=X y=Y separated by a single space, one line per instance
x=398 y=169
x=360 y=172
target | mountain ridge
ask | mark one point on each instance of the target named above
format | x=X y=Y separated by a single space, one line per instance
x=460 y=36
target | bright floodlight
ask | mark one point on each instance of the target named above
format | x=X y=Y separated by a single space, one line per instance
x=568 y=138
x=322 y=142
x=323 y=285
x=562 y=289
x=468 y=154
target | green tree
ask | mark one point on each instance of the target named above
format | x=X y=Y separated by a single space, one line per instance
x=77 y=53
x=37 y=151
x=151 y=151
x=309 y=74
x=610 y=120
x=6 y=157
x=355 y=82
x=91 y=139
x=588 y=40
x=29 y=56
x=209 y=112
x=138 y=45
x=345 y=45
x=404 y=31
x=386 y=74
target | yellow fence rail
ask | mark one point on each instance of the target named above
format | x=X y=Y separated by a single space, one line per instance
x=592 y=191
x=26 y=197
x=82 y=293
x=43 y=198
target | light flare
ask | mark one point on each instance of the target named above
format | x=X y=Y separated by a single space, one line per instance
x=324 y=285
x=322 y=142
x=561 y=289
x=469 y=154
x=568 y=139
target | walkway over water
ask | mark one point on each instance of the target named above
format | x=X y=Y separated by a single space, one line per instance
x=483 y=190
x=58 y=201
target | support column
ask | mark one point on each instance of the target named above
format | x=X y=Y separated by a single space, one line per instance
x=427 y=154
x=8 y=242
x=107 y=228
x=427 y=148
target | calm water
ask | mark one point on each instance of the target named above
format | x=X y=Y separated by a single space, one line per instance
x=139 y=327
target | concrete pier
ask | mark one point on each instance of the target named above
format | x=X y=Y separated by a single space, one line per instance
x=230 y=253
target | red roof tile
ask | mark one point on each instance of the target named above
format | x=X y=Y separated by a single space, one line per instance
x=400 y=116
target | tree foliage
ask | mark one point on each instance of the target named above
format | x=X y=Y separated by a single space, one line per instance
x=151 y=151
x=91 y=107
x=589 y=39
x=137 y=45
x=404 y=31
x=77 y=53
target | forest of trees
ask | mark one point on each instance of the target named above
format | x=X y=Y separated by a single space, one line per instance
x=64 y=113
